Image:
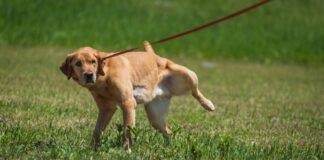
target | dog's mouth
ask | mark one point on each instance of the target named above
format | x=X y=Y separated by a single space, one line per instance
x=89 y=81
x=89 y=78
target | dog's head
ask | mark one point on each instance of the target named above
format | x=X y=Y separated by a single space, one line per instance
x=84 y=66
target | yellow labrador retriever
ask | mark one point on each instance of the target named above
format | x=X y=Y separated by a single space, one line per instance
x=128 y=80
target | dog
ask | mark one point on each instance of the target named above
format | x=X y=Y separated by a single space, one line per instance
x=128 y=80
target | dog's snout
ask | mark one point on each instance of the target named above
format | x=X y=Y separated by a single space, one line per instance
x=88 y=77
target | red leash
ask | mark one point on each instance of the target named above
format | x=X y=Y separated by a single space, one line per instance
x=196 y=28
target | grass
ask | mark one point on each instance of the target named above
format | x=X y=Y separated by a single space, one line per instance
x=265 y=111
x=281 y=31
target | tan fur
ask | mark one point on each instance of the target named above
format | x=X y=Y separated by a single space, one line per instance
x=130 y=79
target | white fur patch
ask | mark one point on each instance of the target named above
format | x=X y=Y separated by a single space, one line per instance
x=140 y=94
x=160 y=91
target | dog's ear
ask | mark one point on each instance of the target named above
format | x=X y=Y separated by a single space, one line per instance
x=66 y=67
x=100 y=64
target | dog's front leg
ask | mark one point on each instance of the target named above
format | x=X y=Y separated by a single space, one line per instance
x=128 y=107
x=106 y=112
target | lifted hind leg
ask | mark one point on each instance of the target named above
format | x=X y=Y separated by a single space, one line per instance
x=184 y=80
x=156 y=111
x=206 y=103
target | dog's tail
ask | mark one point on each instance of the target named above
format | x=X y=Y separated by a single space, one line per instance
x=148 y=47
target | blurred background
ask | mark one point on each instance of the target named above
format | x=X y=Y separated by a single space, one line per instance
x=281 y=31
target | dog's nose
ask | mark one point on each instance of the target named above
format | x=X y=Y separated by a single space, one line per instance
x=88 y=77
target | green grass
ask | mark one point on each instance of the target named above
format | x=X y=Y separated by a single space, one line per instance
x=285 y=31
x=265 y=111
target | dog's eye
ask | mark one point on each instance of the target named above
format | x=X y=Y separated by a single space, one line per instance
x=93 y=62
x=78 y=63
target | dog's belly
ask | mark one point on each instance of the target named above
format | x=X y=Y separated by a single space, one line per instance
x=142 y=95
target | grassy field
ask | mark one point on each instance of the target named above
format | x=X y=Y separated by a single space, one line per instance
x=285 y=31
x=264 y=70
x=265 y=111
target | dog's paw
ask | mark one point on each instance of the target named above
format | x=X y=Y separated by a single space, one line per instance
x=94 y=145
x=128 y=151
x=208 y=105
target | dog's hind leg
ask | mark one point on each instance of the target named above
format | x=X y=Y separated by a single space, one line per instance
x=183 y=80
x=206 y=103
x=156 y=111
